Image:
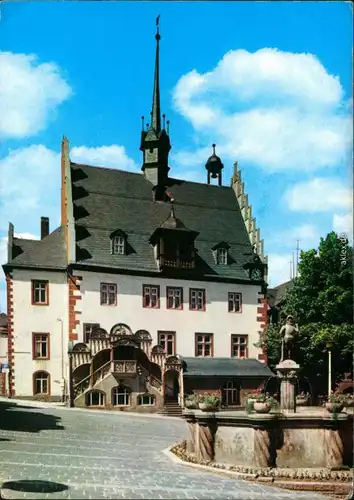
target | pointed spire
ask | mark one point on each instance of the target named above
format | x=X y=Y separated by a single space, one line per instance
x=156 y=109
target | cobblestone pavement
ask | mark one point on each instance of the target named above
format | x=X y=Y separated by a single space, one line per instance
x=107 y=455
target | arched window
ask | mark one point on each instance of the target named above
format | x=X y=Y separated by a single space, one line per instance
x=121 y=396
x=41 y=383
x=146 y=400
x=95 y=398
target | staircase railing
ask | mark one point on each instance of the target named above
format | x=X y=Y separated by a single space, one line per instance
x=101 y=372
x=152 y=380
x=81 y=386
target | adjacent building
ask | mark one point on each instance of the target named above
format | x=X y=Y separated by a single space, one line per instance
x=151 y=288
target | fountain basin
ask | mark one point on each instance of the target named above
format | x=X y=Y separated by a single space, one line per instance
x=311 y=439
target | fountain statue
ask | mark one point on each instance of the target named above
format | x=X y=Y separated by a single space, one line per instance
x=287 y=369
x=288 y=333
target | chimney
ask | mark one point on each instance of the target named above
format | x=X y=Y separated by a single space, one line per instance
x=44 y=227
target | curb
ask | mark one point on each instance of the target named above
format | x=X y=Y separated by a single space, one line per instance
x=277 y=482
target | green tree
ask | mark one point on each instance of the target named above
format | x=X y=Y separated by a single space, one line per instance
x=321 y=302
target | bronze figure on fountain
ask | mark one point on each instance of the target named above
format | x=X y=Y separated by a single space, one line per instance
x=288 y=333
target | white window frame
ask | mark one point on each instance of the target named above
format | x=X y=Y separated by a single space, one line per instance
x=241 y=344
x=121 y=391
x=40 y=287
x=108 y=291
x=42 y=378
x=203 y=343
x=101 y=398
x=153 y=293
x=150 y=397
x=118 y=245
x=169 y=340
x=235 y=301
x=174 y=293
x=222 y=256
x=197 y=299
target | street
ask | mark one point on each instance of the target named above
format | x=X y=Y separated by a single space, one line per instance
x=92 y=454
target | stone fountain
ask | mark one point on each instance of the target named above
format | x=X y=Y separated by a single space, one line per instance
x=281 y=439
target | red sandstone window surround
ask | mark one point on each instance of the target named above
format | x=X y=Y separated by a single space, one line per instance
x=204 y=345
x=40 y=292
x=197 y=299
x=40 y=346
x=168 y=341
x=88 y=329
x=235 y=302
x=239 y=346
x=174 y=297
x=41 y=383
x=151 y=296
x=108 y=294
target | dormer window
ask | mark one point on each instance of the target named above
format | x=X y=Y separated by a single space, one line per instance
x=118 y=243
x=221 y=253
x=221 y=256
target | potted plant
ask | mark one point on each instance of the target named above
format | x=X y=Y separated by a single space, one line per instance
x=302 y=399
x=336 y=402
x=190 y=402
x=208 y=402
x=264 y=402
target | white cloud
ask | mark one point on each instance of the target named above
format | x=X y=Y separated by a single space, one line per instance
x=104 y=156
x=343 y=223
x=30 y=181
x=275 y=109
x=308 y=236
x=319 y=195
x=29 y=186
x=30 y=91
x=278 y=269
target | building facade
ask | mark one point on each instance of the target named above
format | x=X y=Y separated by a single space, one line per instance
x=152 y=287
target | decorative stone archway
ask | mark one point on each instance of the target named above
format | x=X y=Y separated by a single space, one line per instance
x=172 y=372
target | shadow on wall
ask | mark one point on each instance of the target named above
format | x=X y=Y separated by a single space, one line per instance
x=34 y=486
x=18 y=418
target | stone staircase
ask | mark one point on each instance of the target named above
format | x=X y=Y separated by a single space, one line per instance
x=171 y=409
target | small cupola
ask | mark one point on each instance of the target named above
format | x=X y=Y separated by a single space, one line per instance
x=214 y=167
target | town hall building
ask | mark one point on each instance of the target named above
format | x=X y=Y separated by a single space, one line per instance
x=152 y=287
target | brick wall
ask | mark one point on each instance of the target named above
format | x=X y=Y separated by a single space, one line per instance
x=10 y=330
x=74 y=283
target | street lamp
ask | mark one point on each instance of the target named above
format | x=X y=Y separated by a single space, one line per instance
x=329 y=346
x=71 y=382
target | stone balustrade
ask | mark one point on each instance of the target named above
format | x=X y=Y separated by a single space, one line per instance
x=302 y=440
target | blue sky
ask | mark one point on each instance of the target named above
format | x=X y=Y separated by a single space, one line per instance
x=269 y=82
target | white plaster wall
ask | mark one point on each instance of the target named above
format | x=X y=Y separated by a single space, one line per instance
x=216 y=319
x=3 y=348
x=30 y=318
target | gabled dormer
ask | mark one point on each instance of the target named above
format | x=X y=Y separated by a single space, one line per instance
x=118 y=241
x=221 y=253
x=173 y=244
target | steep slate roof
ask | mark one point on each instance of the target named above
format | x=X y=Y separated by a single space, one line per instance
x=46 y=253
x=224 y=367
x=106 y=200
x=277 y=294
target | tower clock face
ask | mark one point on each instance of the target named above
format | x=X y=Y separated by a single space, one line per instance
x=256 y=274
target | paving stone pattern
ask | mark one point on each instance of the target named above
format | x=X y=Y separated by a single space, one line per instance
x=104 y=455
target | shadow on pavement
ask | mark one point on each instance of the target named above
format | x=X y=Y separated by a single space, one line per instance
x=33 y=486
x=18 y=418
